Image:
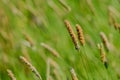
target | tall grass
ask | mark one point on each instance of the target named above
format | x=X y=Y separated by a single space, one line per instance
x=37 y=30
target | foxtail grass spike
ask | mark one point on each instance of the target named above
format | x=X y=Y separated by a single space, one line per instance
x=103 y=55
x=89 y=2
x=27 y=38
x=53 y=51
x=72 y=34
x=105 y=41
x=117 y=26
x=11 y=75
x=111 y=18
x=53 y=63
x=73 y=74
x=30 y=66
x=80 y=34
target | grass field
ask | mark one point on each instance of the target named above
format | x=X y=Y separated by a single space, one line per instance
x=39 y=40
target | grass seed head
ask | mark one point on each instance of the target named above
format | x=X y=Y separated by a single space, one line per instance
x=111 y=18
x=117 y=26
x=105 y=41
x=80 y=34
x=11 y=75
x=28 y=38
x=30 y=66
x=73 y=74
x=53 y=51
x=72 y=34
x=103 y=55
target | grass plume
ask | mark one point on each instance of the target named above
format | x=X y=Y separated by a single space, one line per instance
x=72 y=34
x=105 y=41
x=73 y=74
x=80 y=34
x=103 y=55
x=27 y=38
x=30 y=66
x=11 y=75
x=49 y=48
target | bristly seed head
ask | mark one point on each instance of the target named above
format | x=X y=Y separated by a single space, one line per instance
x=116 y=26
x=113 y=22
x=73 y=74
x=11 y=75
x=103 y=55
x=52 y=50
x=72 y=34
x=105 y=41
x=30 y=66
x=80 y=34
x=111 y=18
x=28 y=38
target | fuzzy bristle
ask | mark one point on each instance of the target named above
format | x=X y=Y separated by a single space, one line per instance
x=112 y=20
x=92 y=8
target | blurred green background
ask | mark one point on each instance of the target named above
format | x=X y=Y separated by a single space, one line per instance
x=25 y=24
